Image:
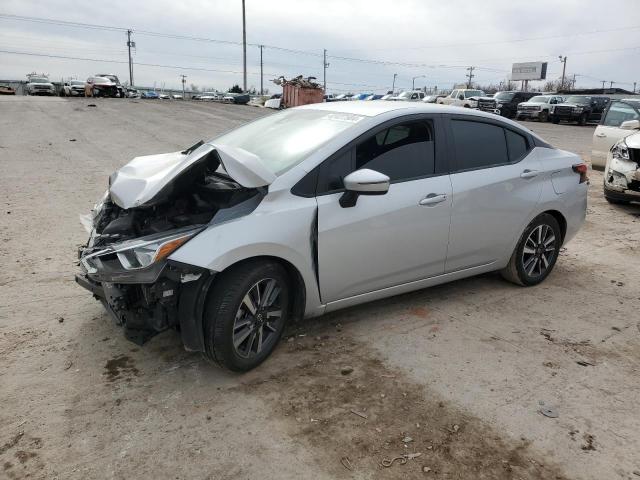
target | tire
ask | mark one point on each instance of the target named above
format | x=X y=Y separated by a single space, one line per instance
x=544 y=116
x=615 y=201
x=240 y=346
x=582 y=121
x=527 y=268
x=555 y=120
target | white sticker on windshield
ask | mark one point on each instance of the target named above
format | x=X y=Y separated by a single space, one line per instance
x=343 y=117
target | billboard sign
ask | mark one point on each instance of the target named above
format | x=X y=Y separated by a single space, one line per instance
x=529 y=71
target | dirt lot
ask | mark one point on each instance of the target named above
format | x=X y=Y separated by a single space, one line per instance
x=456 y=373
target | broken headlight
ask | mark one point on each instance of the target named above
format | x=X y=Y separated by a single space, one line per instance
x=620 y=151
x=144 y=252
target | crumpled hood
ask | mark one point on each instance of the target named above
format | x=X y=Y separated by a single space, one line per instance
x=140 y=180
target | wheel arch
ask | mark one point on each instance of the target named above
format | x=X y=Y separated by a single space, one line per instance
x=298 y=284
x=562 y=221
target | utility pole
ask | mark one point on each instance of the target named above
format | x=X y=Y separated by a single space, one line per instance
x=261 y=89
x=611 y=84
x=129 y=45
x=634 y=87
x=325 y=64
x=573 y=82
x=393 y=85
x=244 y=49
x=183 y=82
x=603 y=82
x=413 y=81
x=564 y=66
x=470 y=75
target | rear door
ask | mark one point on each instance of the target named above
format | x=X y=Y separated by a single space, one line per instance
x=496 y=182
x=392 y=239
x=609 y=131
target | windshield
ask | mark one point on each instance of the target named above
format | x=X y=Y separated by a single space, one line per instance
x=473 y=93
x=580 y=100
x=404 y=95
x=76 y=82
x=539 y=99
x=504 y=96
x=39 y=80
x=284 y=139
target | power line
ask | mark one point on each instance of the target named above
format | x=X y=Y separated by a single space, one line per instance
x=514 y=40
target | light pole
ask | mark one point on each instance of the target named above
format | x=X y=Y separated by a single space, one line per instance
x=184 y=79
x=413 y=81
x=244 y=49
x=564 y=67
x=393 y=85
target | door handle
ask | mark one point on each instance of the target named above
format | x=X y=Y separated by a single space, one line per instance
x=529 y=174
x=601 y=135
x=432 y=199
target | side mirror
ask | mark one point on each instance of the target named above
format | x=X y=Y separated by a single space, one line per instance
x=363 y=182
x=628 y=125
x=460 y=97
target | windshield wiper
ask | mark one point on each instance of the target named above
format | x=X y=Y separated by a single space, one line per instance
x=192 y=148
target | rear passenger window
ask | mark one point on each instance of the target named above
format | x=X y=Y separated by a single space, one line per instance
x=618 y=113
x=478 y=145
x=516 y=145
x=401 y=152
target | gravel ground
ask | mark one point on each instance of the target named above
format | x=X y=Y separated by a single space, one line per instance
x=457 y=373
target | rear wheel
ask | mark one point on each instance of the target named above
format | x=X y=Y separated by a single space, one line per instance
x=245 y=314
x=536 y=252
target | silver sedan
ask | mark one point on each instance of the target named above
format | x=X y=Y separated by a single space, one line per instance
x=322 y=207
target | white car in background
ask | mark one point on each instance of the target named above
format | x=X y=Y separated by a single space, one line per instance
x=409 y=96
x=73 y=88
x=613 y=127
x=462 y=97
x=39 y=85
x=538 y=107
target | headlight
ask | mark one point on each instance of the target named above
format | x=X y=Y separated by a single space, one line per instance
x=142 y=253
x=620 y=151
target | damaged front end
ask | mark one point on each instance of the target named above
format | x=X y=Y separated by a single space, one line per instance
x=154 y=205
x=622 y=172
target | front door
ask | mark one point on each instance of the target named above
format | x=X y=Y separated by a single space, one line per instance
x=391 y=239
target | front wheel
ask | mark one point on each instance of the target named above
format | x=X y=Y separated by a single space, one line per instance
x=245 y=314
x=544 y=116
x=536 y=252
x=555 y=120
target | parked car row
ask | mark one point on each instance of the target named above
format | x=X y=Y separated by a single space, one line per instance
x=224 y=97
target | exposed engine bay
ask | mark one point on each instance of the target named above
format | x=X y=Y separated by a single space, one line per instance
x=125 y=262
x=194 y=199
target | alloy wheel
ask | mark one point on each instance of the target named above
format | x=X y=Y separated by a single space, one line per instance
x=539 y=250
x=258 y=318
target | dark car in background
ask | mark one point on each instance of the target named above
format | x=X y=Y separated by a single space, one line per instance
x=505 y=104
x=580 y=109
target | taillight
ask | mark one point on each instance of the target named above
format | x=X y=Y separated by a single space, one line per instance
x=582 y=169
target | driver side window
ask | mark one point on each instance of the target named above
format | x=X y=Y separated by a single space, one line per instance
x=402 y=152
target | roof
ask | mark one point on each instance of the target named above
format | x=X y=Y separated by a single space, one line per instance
x=371 y=108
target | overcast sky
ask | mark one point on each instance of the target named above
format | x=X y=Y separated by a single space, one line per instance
x=443 y=37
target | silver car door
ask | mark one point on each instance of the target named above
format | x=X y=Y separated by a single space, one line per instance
x=497 y=182
x=389 y=239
